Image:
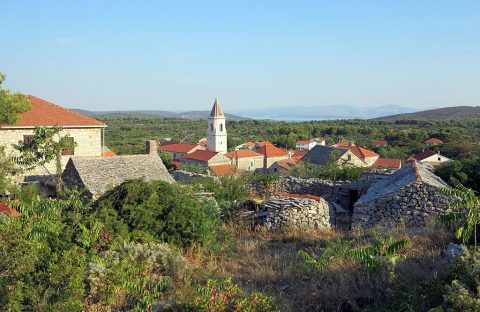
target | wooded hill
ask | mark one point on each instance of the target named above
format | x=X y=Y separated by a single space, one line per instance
x=446 y=113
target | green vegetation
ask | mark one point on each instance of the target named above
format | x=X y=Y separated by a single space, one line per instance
x=11 y=104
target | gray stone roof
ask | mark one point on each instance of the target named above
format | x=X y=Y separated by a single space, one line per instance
x=410 y=173
x=320 y=154
x=217 y=109
x=98 y=174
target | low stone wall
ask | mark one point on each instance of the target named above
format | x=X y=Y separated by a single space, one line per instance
x=413 y=205
x=317 y=187
x=187 y=176
x=282 y=212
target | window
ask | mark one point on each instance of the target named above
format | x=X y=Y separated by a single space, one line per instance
x=71 y=150
x=251 y=164
x=349 y=157
x=28 y=139
x=211 y=127
x=439 y=158
x=275 y=169
x=221 y=127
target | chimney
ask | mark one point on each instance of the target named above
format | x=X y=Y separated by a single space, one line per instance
x=151 y=147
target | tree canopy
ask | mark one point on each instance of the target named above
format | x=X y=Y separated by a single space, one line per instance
x=11 y=104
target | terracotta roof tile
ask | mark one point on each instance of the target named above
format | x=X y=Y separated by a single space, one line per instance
x=178 y=147
x=242 y=154
x=423 y=155
x=387 y=163
x=379 y=142
x=303 y=142
x=269 y=150
x=360 y=152
x=9 y=211
x=433 y=140
x=221 y=170
x=44 y=113
x=201 y=155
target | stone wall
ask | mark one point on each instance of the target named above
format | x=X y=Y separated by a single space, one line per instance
x=187 y=176
x=412 y=205
x=317 y=187
x=88 y=143
x=282 y=212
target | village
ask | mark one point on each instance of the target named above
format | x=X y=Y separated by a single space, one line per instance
x=380 y=197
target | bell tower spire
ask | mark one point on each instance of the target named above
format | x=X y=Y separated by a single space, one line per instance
x=217 y=132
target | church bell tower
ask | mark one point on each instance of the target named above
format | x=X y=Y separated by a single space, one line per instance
x=217 y=133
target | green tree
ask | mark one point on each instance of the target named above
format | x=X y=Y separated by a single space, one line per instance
x=467 y=204
x=11 y=104
x=45 y=146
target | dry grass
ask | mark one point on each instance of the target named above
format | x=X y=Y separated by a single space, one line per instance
x=269 y=262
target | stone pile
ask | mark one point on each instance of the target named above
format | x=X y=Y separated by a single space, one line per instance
x=282 y=212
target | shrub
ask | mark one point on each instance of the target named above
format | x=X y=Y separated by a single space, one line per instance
x=158 y=210
x=226 y=296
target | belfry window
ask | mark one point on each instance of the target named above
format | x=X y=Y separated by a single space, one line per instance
x=211 y=127
x=221 y=127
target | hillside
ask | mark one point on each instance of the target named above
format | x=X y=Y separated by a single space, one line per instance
x=446 y=113
x=156 y=113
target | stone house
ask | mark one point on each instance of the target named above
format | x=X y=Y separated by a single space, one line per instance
x=205 y=159
x=410 y=196
x=305 y=145
x=367 y=156
x=96 y=175
x=378 y=143
x=271 y=154
x=321 y=155
x=87 y=133
x=245 y=146
x=433 y=141
x=178 y=150
x=246 y=160
x=432 y=158
x=282 y=166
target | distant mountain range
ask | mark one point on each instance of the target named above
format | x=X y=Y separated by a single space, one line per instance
x=323 y=112
x=159 y=113
x=446 y=113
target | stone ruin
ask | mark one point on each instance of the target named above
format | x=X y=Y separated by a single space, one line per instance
x=307 y=212
x=411 y=197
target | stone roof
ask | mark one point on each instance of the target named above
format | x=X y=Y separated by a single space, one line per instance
x=410 y=173
x=217 y=109
x=47 y=114
x=320 y=154
x=98 y=174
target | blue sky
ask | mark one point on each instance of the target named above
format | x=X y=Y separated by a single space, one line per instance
x=179 y=55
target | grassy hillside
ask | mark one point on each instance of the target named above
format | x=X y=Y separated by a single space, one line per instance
x=447 y=113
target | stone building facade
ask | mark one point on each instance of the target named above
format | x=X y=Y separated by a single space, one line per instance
x=86 y=132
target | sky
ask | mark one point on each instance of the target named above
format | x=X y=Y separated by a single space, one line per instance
x=180 y=55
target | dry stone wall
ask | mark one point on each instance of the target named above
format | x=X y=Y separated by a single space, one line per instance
x=412 y=205
x=187 y=176
x=317 y=187
x=282 y=212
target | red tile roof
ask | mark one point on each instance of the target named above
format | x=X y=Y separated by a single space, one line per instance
x=360 y=152
x=303 y=142
x=286 y=163
x=263 y=143
x=423 y=155
x=317 y=198
x=379 y=142
x=269 y=150
x=242 y=153
x=44 y=113
x=178 y=147
x=9 y=211
x=201 y=155
x=221 y=170
x=387 y=163
x=433 y=140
